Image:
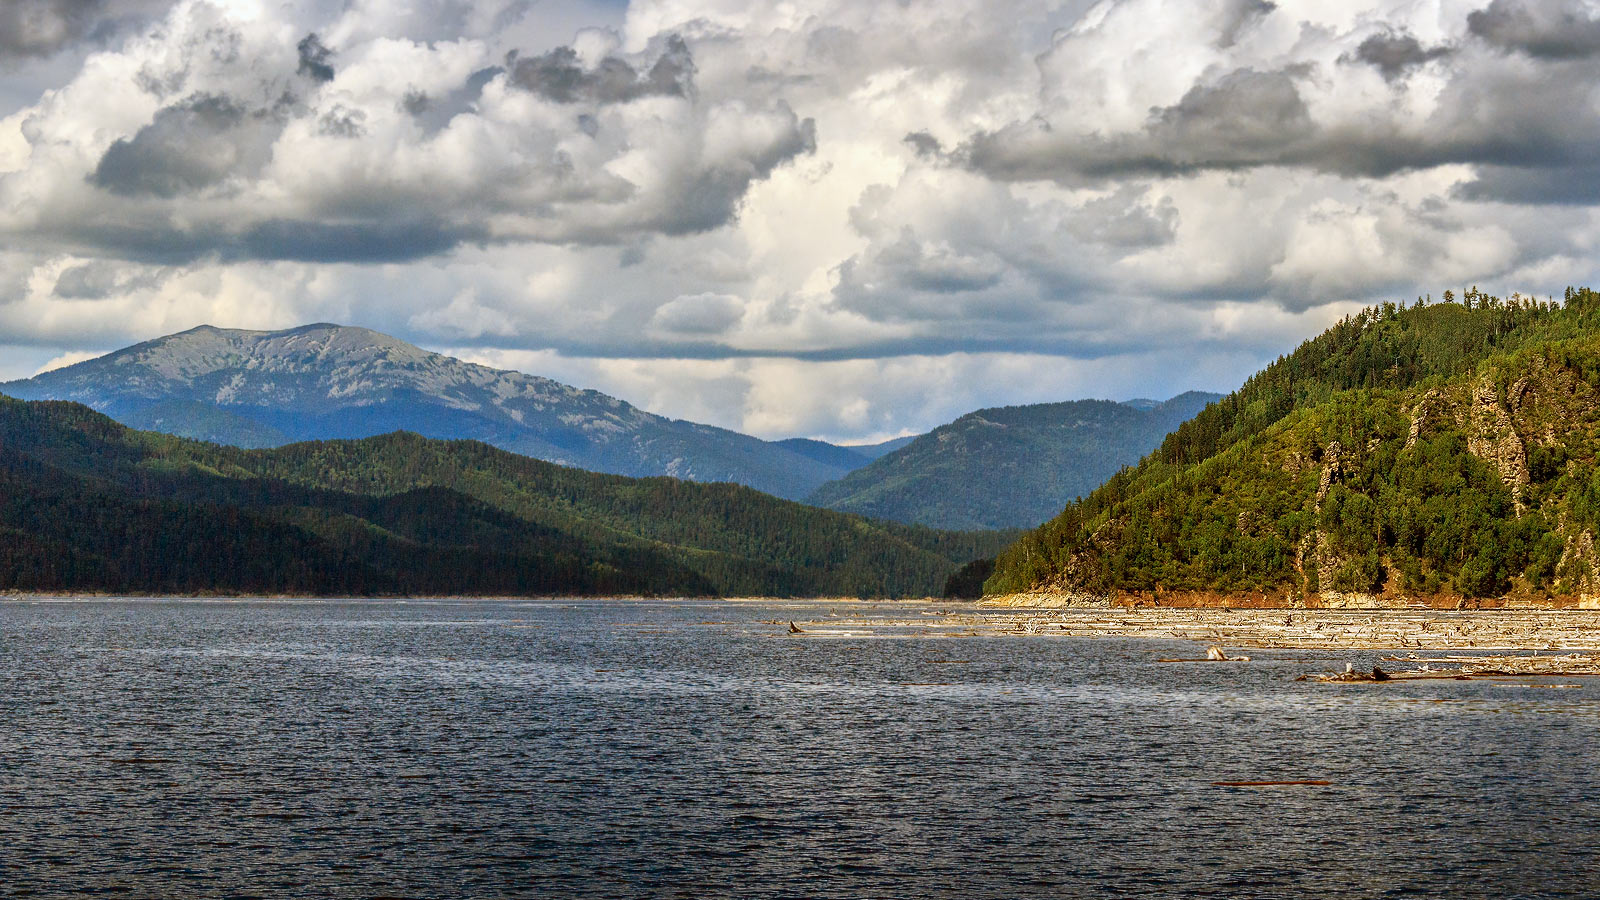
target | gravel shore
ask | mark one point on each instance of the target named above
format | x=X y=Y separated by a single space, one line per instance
x=1312 y=629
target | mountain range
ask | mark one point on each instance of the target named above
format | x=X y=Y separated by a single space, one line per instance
x=87 y=504
x=1010 y=467
x=258 y=389
x=1437 y=453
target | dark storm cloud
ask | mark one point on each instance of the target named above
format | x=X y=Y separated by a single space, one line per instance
x=1551 y=29
x=314 y=59
x=189 y=146
x=559 y=76
x=1394 y=54
x=35 y=28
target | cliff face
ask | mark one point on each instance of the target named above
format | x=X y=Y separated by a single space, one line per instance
x=1393 y=473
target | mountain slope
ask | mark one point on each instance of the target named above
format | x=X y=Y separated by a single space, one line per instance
x=1009 y=467
x=1437 y=452
x=265 y=389
x=86 y=503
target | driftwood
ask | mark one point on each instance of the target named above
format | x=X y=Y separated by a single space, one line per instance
x=1213 y=654
x=1423 y=632
x=1350 y=674
x=795 y=629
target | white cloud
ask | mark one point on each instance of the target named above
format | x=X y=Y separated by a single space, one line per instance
x=67 y=359
x=817 y=216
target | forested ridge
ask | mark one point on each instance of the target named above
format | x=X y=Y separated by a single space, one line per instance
x=1007 y=467
x=260 y=389
x=1432 y=449
x=88 y=504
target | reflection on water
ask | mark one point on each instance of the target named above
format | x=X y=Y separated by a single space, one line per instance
x=628 y=749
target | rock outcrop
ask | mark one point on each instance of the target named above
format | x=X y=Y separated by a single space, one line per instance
x=1492 y=437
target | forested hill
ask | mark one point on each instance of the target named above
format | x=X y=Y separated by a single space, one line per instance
x=1010 y=467
x=87 y=504
x=316 y=382
x=1438 y=450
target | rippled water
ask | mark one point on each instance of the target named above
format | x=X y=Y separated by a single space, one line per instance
x=632 y=749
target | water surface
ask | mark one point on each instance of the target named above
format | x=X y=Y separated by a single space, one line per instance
x=695 y=749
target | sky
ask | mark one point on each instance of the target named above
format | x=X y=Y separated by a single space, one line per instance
x=847 y=219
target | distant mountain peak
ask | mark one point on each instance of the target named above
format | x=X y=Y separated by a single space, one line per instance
x=324 y=380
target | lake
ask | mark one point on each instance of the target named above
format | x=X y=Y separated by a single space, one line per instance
x=609 y=748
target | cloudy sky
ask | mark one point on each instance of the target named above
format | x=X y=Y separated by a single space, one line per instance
x=838 y=218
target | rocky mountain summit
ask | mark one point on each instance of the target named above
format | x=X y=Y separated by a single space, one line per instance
x=319 y=382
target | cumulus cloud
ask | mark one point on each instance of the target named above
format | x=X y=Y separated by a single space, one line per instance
x=1286 y=103
x=238 y=141
x=815 y=216
x=67 y=359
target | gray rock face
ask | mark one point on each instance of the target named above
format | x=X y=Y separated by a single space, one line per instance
x=318 y=382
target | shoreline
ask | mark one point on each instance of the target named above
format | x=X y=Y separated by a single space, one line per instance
x=56 y=596
x=1283 y=601
x=1298 y=629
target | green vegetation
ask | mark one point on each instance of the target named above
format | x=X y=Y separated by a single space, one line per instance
x=87 y=504
x=966 y=583
x=1441 y=448
x=319 y=382
x=1007 y=468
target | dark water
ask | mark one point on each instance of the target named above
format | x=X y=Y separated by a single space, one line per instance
x=626 y=749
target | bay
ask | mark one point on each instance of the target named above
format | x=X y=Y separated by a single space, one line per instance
x=633 y=748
